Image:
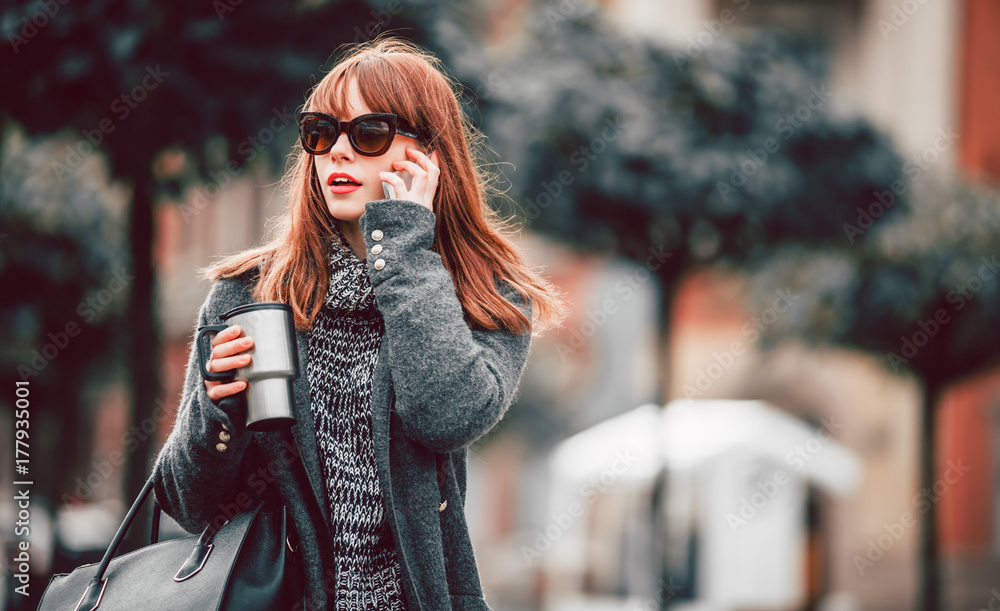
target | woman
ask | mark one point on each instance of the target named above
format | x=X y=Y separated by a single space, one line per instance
x=413 y=320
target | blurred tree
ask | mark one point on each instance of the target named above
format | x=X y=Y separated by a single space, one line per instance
x=674 y=160
x=922 y=291
x=134 y=79
x=60 y=314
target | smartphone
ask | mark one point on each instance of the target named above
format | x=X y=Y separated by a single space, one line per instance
x=390 y=192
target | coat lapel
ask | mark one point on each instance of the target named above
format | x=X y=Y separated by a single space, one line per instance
x=303 y=430
x=380 y=401
x=409 y=489
x=382 y=397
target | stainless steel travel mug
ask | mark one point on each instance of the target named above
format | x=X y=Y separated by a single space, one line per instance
x=273 y=365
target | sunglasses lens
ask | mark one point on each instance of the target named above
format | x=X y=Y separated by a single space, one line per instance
x=317 y=134
x=371 y=136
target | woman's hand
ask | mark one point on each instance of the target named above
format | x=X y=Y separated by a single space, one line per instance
x=226 y=348
x=425 y=178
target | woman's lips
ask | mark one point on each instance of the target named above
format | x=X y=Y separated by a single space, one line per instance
x=340 y=183
x=343 y=188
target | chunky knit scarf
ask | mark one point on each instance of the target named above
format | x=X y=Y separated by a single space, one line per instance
x=343 y=347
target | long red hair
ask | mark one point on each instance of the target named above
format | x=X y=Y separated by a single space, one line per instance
x=396 y=76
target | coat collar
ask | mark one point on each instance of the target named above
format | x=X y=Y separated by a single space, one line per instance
x=303 y=430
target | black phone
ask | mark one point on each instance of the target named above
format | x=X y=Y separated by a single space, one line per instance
x=389 y=191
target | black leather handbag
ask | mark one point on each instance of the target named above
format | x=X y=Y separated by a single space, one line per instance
x=246 y=563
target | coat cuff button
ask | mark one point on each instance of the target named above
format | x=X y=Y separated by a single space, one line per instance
x=377 y=235
x=221 y=447
x=442 y=506
x=224 y=436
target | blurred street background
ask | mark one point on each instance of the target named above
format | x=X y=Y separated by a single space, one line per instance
x=777 y=223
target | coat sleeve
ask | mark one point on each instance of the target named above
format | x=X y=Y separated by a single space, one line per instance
x=452 y=383
x=193 y=478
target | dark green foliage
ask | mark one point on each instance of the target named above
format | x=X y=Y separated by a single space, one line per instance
x=723 y=156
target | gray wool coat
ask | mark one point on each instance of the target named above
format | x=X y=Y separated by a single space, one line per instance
x=438 y=386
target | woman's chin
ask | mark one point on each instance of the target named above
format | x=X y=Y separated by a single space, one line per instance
x=346 y=210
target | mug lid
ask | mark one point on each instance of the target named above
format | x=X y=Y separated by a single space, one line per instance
x=250 y=307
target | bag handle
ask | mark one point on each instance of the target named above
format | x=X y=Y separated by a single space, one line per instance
x=154 y=529
x=194 y=563
x=92 y=597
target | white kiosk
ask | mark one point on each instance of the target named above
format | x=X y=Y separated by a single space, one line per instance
x=736 y=478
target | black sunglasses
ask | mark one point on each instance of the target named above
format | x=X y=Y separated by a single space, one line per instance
x=370 y=135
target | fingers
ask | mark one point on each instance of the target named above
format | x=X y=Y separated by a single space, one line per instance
x=227 y=347
x=218 y=391
x=227 y=363
x=425 y=177
x=396 y=182
x=229 y=342
x=427 y=164
x=410 y=167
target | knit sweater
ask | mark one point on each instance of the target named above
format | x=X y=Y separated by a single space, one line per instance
x=343 y=347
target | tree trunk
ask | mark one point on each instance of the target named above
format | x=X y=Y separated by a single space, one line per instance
x=668 y=292
x=930 y=561
x=143 y=347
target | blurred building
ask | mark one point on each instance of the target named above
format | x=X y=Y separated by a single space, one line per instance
x=925 y=73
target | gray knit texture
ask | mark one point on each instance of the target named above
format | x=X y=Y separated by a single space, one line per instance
x=343 y=345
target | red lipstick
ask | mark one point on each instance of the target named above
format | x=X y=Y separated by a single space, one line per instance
x=340 y=183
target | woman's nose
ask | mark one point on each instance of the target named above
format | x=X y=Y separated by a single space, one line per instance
x=342 y=147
